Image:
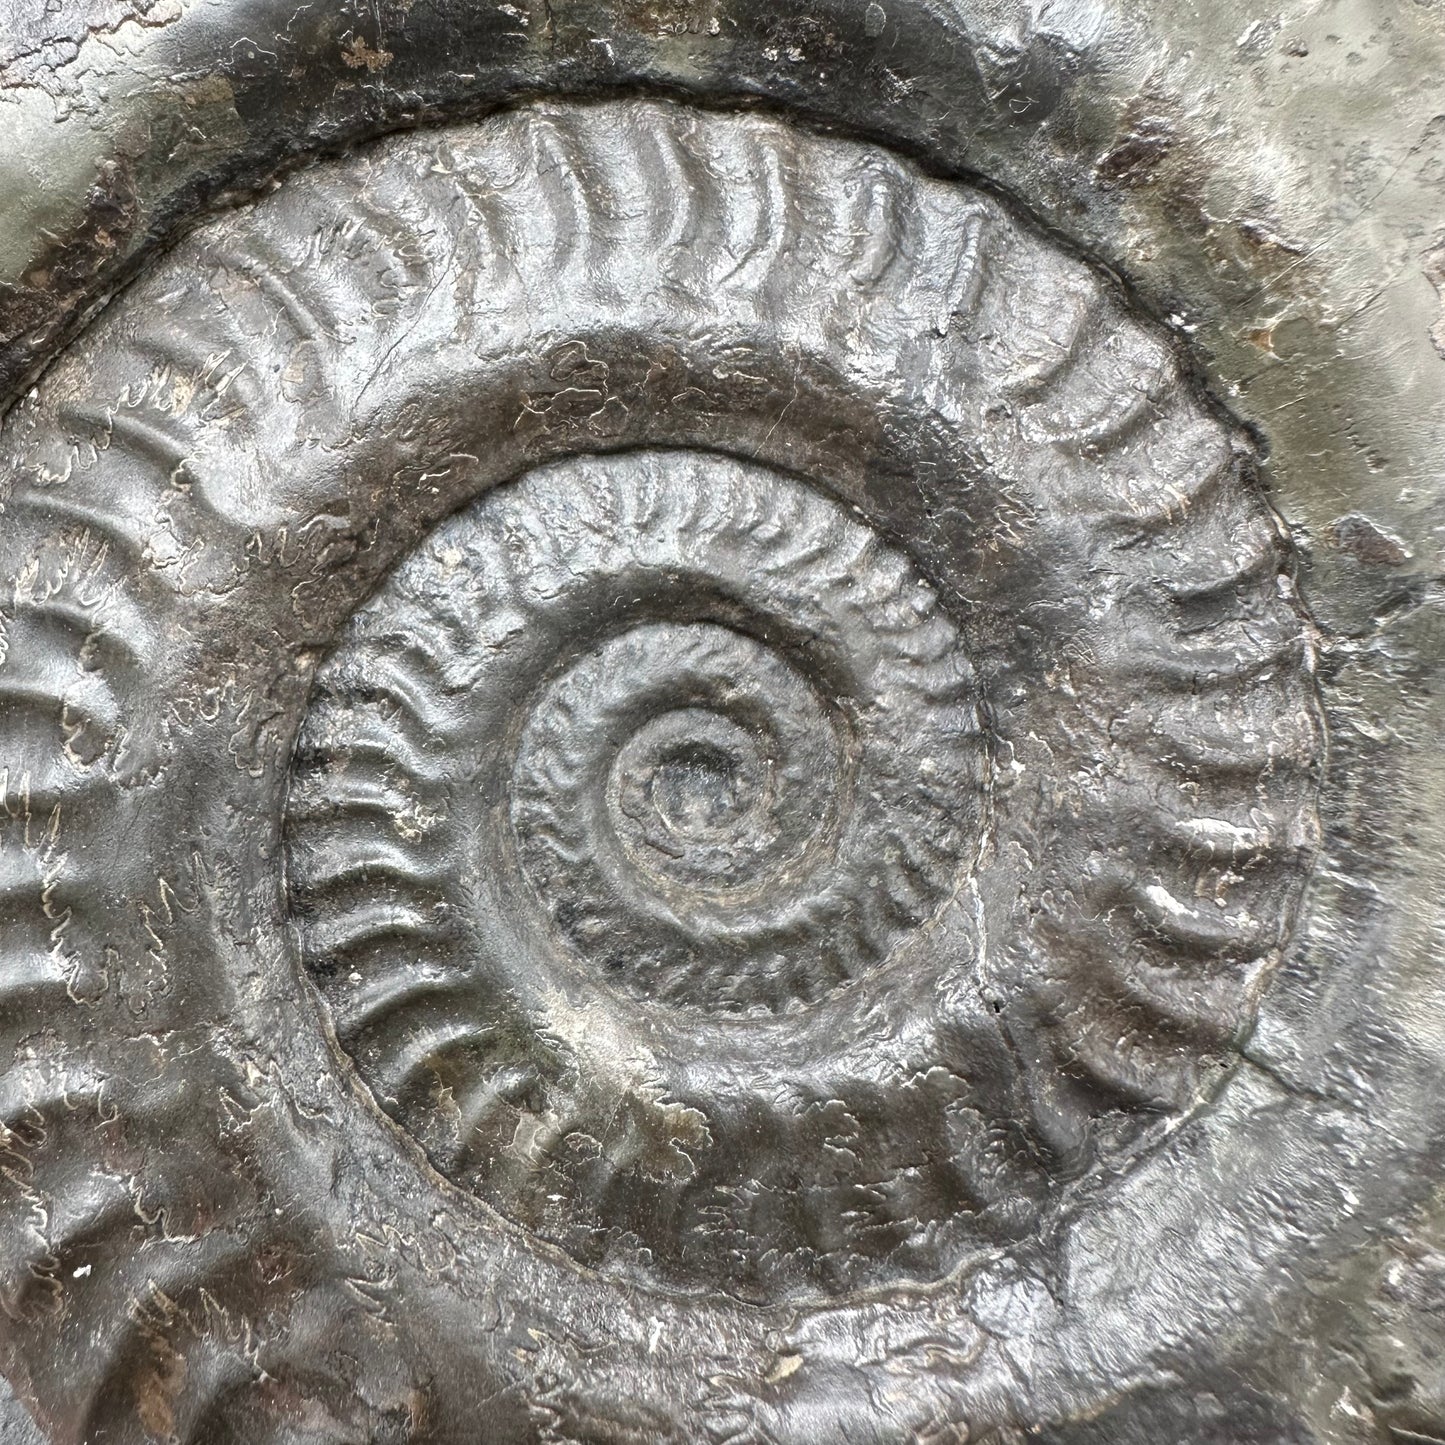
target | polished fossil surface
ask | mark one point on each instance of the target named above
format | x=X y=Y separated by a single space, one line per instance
x=669 y=775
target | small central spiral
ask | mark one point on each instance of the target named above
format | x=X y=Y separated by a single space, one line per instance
x=675 y=791
x=729 y=781
x=697 y=774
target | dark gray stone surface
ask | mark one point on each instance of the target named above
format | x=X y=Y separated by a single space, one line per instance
x=861 y=860
x=17 y=1426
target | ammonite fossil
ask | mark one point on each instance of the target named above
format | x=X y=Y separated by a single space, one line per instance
x=604 y=926
x=745 y=713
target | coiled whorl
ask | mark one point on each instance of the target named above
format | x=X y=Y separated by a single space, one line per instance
x=745 y=707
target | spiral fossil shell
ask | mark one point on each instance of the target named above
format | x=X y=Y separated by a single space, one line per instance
x=705 y=822
x=675 y=721
x=773 y=718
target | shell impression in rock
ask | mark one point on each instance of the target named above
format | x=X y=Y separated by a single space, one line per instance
x=633 y=765
x=741 y=682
